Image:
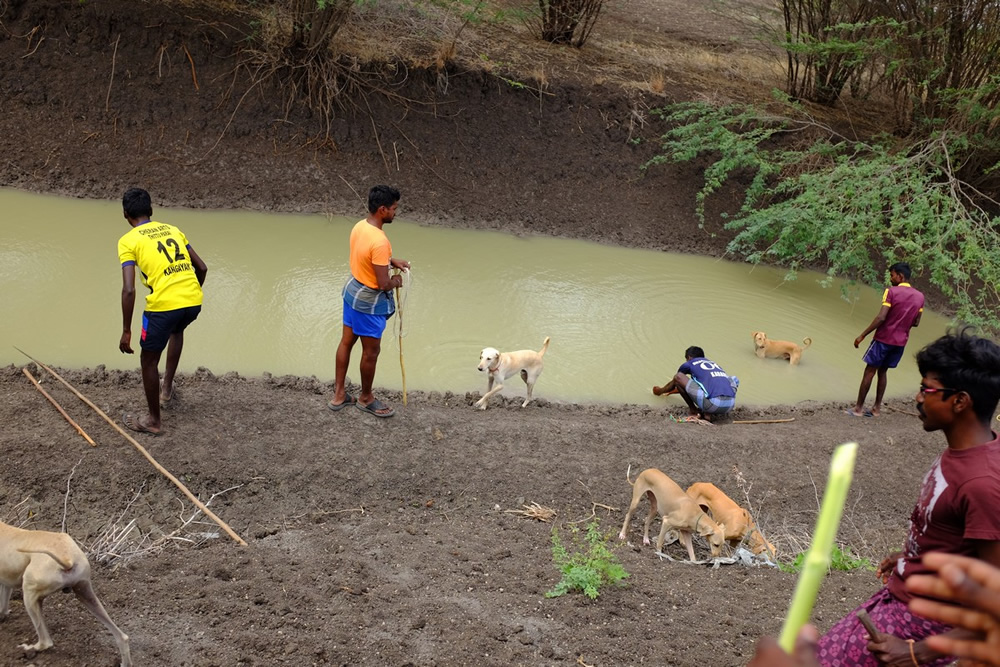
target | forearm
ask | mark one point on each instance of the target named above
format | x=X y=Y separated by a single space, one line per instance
x=128 y=307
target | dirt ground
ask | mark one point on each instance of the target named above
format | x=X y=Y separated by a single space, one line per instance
x=391 y=542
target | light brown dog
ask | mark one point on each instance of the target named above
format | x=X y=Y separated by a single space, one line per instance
x=764 y=348
x=501 y=365
x=738 y=522
x=42 y=563
x=678 y=510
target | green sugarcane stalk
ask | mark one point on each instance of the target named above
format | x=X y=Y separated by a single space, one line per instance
x=817 y=562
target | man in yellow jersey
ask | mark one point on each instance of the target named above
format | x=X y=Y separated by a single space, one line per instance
x=368 y=302
x=174 y=274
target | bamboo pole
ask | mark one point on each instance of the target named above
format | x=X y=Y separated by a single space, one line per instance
x=763 y=421
x=399 y=339
x=142 y=450
x=59 y=408
x=817 y=561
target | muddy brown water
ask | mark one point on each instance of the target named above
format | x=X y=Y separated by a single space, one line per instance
x=619 y=319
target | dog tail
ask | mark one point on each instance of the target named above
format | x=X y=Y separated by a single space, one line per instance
x=545 y=346
x=806 y=342
x=64 y=564
x=628 y=475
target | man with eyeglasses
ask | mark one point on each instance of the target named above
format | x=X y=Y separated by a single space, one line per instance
x=956 y=511
x=902 y=306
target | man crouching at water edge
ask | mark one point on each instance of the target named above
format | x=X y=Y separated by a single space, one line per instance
x=956 y=511
x=708 y=391
x=174 y=274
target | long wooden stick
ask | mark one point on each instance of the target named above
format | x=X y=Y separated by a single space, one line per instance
x=59 y=408
x=402 y=366
x=763 y=421
x=142 y=450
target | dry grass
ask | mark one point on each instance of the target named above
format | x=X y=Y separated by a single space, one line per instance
x=535 y=511
x=623 y=51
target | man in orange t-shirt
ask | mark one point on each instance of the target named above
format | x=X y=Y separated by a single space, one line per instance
x=368 y=302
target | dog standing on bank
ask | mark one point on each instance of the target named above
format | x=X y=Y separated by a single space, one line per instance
x=501 y=365
x=41 y=563
x=677 y=509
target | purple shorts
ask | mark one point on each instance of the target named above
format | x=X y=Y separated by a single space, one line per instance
x=883 y=355
x=845 y=644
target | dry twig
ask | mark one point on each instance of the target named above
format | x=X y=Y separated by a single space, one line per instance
x=535 y=511
x=114 y=57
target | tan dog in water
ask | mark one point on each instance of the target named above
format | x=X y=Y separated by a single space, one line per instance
x=738 y=522
x=764 y=347
x=501 y=365
x=678 y=510
x=42 y=563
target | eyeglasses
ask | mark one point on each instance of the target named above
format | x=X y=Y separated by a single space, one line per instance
x=924 y=389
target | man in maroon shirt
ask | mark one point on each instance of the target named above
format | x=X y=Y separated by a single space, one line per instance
x=902 y=306
x=956 y=511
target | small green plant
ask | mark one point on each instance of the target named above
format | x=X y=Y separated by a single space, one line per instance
x=590 y=565
x=840 y=559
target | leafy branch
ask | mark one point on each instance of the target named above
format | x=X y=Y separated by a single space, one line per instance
x=849 y=208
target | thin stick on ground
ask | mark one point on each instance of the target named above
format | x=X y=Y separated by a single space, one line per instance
x=142 y=450
x=114 y=57
x=763 y=421
x=66 y=497
x=59 y=408
x=194 y=77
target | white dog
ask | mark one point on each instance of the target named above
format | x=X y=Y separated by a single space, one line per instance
x=41 y=563
x=501 y=365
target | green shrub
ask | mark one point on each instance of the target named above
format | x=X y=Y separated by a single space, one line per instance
x=840 y=559
x=590 y=565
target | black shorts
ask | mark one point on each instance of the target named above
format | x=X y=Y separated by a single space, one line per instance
x=157 y=326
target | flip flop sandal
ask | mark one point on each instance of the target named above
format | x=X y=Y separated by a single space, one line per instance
x=337 y=407
x=374 y=407
x=132 y=423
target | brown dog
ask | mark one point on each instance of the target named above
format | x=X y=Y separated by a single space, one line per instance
x=738 y=522
x=677 y=508
x=764 y=348
x=42 y=563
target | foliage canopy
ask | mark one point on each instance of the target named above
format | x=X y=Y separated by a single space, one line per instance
x=848 y=207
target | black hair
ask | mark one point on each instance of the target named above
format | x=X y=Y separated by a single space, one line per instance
x=382 y=195
x=902 y=268
x=966 y=363
x=694 y=351
x=136 y=203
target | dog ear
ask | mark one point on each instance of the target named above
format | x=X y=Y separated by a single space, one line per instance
x=705 y=508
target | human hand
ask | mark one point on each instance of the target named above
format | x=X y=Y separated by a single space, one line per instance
x=770 y=654
x=125 y=344
x=973 y=583
x=891 y=650
x=857 y=341
x=887 y=565
x=401 y=264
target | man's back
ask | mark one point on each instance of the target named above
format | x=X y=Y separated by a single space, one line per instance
x=905 y=306
x=160 y=251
